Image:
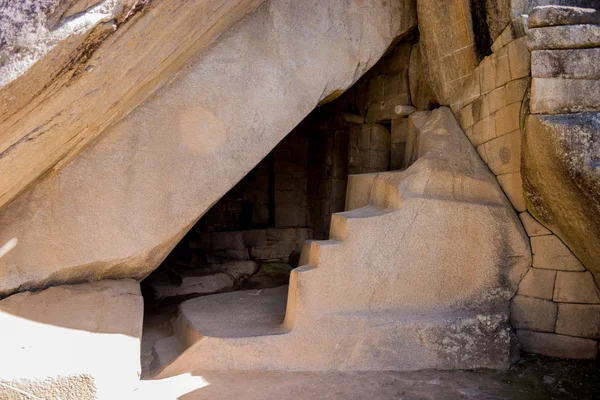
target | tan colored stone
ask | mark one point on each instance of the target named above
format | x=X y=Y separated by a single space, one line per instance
x=504 y=153
x=508 y=119
x=549 y=252
x=557 y=95
x=497 y=99
x=538 y=283
x=563 y=37
x=553 y=15
x=552 y=345
x=576 y=287
x=531 y=313
x=481 y=108
x=73 y=341
x=352 y=287
x=399 y=132
x=519 y=58
x=580 y=320
x=502 y=67
x=88 y=71
x=488 y=75
x=449 y=54
x=561 y=181
x=512 y=184
x=532 y=227
x=515 y=90
x=569 y=64
x=121 y=206
x=465 y=117
x=483 y=131
x=421 y=94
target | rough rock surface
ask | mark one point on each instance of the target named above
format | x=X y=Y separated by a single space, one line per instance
x=122 y=204
x=96 y=61
x=72 y=342
x=561 y=178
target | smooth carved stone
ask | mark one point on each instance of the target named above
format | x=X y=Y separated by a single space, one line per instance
x=121 y=206
x=576 y=287
x=512 y=184
x=503 y=154
x=515 y=90
x=571 y=64
x=531 y=313
x=549 y=252
x=580 y=320
x=557 y=95
x=562 y=15
x=538 y=283
x=72 y=341
x=561 y=180
x=564 y=37
x=421 y=95
x=532 y=227
x=552 y=345
x=404 y=111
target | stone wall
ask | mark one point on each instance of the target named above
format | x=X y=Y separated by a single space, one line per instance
x=556 y=311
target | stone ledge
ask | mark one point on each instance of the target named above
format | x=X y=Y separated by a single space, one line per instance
x=564 y=37
x=553 y=15
x=559 y=96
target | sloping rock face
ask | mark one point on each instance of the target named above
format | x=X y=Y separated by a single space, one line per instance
x=72 y=342
x=122 y=204
x=71 y=68
x=561 y=178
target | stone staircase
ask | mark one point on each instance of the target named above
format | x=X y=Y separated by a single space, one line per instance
x=398 y=286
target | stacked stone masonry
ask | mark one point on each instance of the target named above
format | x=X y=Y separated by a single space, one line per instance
x=547 y=63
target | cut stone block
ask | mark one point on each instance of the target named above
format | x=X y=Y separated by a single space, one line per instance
x=497 y=99
x=553 y=345
x=465 y=117
x=515 y=90
x=232 y=240
x=531 y=313
x=519 y=58
x=512 y=184
x=504 y=153
x=570 y=64
x=507 y=119
x=549 y=252
x=538 y=283
x=532 y=227
x=481 y=108
x=399 y=130
x=74 y=341
x=502 y=67
x=483 y=131
x=576 y=287
x=580 y=320
x=564 y=37
x=557 y=95
x=552 y=15
x=488 y=74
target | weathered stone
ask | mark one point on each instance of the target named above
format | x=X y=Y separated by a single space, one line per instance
x=69 y=88
x=487 y=72
x=502 y=66
x=497 y=99
x=269 y=275
x=570 y=64
x=233 y=240
x=120 y=207
x=531 y=313
x=503 y=154
x=538 y=283
x=512 y=184
x=514 y=30
x=562 y=15
x=515 y=90
x=552 y=345
x=449 y=55
x=576 y=287
x=481 y=108
x=557 y=95
x=421 y=95
x=519 y=58
x=483 y=131
x=564 y=37
x=549 y=252
x=508 y=119
x=73 y=341
x=562 y=182
x=532 y=227
x=255 y=237
x=465 y=117
x=399 y=132
x=580 y=320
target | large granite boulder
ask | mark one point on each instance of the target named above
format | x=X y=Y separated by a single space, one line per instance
x=71 y=68
x=561 y=179
x=120 y=207
x=72 y=342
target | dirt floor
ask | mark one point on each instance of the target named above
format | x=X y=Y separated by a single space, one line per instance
x=532 y=378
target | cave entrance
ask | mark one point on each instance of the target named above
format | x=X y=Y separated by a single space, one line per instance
x=252 y=238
